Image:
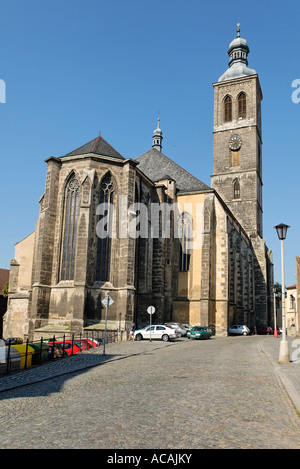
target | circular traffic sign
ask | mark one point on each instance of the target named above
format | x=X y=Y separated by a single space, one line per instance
x=151 y=310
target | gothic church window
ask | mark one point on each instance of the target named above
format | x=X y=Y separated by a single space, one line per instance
x=242 y=105
x=227 y=109
x=185 y=230
x=104 y=241
x=70 y=230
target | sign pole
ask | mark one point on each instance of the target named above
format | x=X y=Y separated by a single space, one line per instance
x=106 y=308
x=150 y=311
x=150 y=326
x=106 y=302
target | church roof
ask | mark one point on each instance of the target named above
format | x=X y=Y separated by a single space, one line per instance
x=155 y=165
x=98 y=146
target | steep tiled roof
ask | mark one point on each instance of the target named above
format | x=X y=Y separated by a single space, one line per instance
x=98 y=146
x=155 y=165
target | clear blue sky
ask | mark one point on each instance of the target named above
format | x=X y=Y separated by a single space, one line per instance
x=74 y=67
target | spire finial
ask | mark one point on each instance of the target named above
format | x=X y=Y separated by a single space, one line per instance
x=238 y=30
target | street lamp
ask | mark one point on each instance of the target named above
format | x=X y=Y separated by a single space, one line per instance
x=275 y=313
x=284 y=353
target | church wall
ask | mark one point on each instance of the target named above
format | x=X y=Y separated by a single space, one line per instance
x=207 y=300
x=80 y=300
x=16 y=319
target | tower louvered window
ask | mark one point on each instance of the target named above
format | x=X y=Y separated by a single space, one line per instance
x=242 y=105
x=70 y=230
x=228 y=109
x=236 y=190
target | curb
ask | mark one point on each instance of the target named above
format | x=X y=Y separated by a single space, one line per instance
x=284 y=381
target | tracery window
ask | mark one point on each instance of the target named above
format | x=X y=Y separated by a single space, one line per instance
x=70 y=229
x=227 y=109
x=185 y=231
x=104 y=241
x=242 y=105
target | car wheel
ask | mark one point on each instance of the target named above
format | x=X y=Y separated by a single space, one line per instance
x=165 y=337
x=244 y=333
x=138 y=337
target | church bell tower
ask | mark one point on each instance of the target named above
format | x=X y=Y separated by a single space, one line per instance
x=237 y=166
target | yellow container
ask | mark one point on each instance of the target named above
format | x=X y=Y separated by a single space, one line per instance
x=22 y=351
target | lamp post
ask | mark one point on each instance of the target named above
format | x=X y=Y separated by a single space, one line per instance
x=275 y=314
x=284 y=353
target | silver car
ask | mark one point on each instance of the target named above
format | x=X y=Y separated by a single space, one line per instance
x=181 y=331
x=238 y=329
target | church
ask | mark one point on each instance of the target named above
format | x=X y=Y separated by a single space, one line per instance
x=148 y=233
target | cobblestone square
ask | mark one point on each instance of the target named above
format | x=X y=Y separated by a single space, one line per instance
x=212 y=394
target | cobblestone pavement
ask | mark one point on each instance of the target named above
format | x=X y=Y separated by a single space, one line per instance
x=218 y=393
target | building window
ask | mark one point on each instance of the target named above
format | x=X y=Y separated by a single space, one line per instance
x=236 y=190
x=70 y=230
x=228 y=109
x=242 y=106
x=185 y=232
x=104 y=241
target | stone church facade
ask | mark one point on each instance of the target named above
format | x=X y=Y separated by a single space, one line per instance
x=146 y=232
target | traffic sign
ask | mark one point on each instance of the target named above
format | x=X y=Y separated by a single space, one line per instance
x=107 y=301
x=151 y=310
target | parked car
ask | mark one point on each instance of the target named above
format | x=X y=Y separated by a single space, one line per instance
x=181 y=331
x=13 y=341
x=71 y=347
x=158 y=331
x=239 y=329
x=199 y=332
x=264 y=330
x=187 y=327
x=56 y=351
x=90 y=342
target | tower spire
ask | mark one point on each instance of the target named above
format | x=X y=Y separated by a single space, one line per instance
x=157 y=137
x=238 y=58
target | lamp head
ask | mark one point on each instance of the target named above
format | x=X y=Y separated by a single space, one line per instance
x=281 y=230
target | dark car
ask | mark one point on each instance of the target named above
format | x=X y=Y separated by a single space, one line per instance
x=199 y=332
x=13 y=341
x=264 y=330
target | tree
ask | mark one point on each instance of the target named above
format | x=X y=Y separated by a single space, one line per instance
x=5 y=289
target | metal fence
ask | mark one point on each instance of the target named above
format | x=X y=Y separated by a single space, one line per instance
x=20 y=356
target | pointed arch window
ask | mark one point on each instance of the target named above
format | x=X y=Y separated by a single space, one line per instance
x=104 y=238
x=70 y=229
x=236 y=189
x=242 y=105
x=227 y=109
x=185 y=232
